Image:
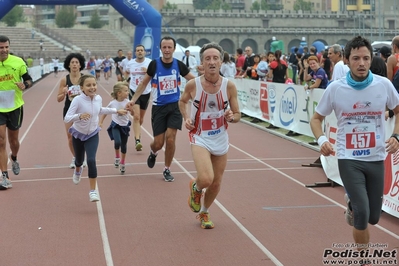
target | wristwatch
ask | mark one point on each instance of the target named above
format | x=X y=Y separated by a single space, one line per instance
x=396 y=136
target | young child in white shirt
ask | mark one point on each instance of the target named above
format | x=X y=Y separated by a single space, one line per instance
x=119 y=129
x=84 y=113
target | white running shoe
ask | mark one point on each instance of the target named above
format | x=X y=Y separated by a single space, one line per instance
x=72 y=165
x=117 y=161
x=94 y=196
x=84 y=163
x=5 y=182
x=77 y=176
x=122 y=168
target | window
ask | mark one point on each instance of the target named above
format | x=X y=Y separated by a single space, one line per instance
x=391 y=24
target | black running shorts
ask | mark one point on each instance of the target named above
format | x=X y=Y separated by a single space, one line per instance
x=166 y=116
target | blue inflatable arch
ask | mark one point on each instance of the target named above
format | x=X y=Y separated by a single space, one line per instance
x=148 y=20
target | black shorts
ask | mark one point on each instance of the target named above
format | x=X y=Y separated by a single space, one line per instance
x=55 y=69
x=164 y=117
x=143 y=100
x=13 y=119
x=117 y=71
x=98 y=70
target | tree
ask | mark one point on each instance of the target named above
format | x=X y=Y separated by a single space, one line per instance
x=95 y=21
x=255 y=6
x=169 y=6
x=302 y=5
x=65 y=17
x=14 y=16
x=263 y=5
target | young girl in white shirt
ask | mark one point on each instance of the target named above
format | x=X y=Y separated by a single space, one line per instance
x=119 y=129
x=84 y=113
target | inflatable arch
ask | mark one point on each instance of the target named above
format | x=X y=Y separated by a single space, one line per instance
x=148 y=20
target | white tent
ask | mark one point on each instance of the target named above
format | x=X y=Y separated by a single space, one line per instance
x=194 y=50
x=378 y=44
x=179 y=52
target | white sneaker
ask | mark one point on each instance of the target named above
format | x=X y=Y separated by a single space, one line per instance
x=72 y=165
x=84 y=163
x=94 y=196
x=122 y=168
x=77 y=176
x=117 y=161
x=5 y=182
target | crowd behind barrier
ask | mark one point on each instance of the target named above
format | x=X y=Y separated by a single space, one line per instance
x=290 y=107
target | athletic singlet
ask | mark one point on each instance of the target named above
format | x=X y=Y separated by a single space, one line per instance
x=397 y=65
x=207 y=115
x=73 y=90
x=165 y=83
x=11 y=71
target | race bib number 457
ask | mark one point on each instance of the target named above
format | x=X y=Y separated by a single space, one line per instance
x=360 y=140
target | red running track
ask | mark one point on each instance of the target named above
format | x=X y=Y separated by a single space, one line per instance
x=264 y=214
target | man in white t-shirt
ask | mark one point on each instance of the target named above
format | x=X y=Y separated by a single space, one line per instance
x=136 y=69
x=124 y=62
x=359 y=102
x=335 y=55
x=55 y=65
x=98 y=64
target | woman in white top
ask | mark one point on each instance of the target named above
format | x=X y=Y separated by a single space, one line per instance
x=228 y=68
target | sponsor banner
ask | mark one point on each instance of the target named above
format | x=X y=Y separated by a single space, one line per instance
x=283 y=105
x=290 y=107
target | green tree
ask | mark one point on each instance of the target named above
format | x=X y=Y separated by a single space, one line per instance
x=255 y=6
x=95 y=21
x=169 y=6
x=14 y=16
x=65 y=17
x=302 y=5
x=263 y=5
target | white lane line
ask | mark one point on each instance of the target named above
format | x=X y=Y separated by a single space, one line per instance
x=280 y=208
x=311 y=189
x=103 y=229
x=37 y=114
x=101 y=219
x=233 y=219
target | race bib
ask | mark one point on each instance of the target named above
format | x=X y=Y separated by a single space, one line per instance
x=73 y=91
x=138 y=79
x=360 y=140
x=7 y=99
x=212 y=123
x=168 y=84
